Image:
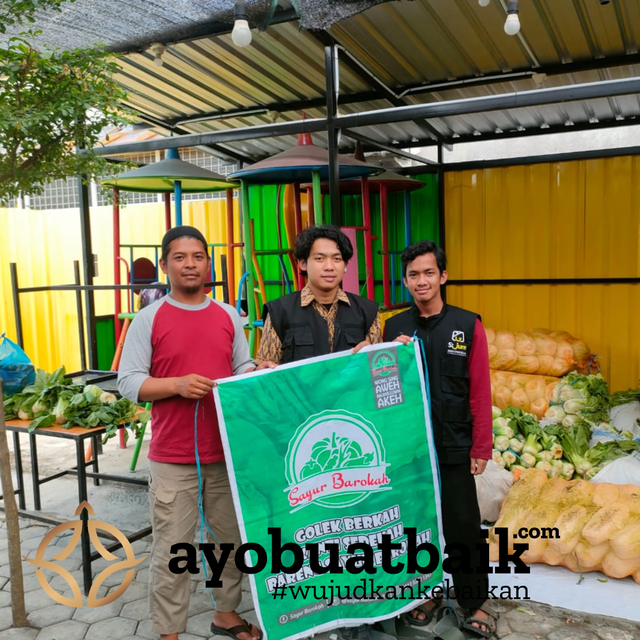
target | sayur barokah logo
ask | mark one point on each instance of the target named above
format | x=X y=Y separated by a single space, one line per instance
x=93 y=527
x=335 y=459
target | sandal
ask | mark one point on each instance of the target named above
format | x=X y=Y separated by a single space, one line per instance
x=398 y=629
x=490 y=624
x=233 y=632
x=407 y=618
x=363 y=632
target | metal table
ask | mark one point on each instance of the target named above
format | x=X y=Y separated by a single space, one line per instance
x=77 y=435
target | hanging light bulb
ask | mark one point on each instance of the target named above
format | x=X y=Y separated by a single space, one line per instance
x=157 y=50
x=241 y=34
x=512 y=24
x=484 y=3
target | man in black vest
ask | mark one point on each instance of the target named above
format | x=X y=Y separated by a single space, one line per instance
x=321 y=318
x=457 y=357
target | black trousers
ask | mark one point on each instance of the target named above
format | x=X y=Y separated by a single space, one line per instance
x=461 y=525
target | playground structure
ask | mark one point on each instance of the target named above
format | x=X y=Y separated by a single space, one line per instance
x=295 y=173
x=287 y=173
x=168 y=176
x=382 y=184
x=171 y=175
x=303 y=163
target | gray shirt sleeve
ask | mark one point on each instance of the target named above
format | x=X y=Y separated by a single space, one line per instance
x=242 y=359
x=135 y=363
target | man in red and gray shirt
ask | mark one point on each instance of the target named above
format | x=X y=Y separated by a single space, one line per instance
x=174 y=351
x=457 y=356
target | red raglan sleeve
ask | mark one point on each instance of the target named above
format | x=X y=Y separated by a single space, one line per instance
x=480 y=395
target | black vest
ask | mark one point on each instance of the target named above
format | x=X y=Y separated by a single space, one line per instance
x=447 y=339
x=303 y=332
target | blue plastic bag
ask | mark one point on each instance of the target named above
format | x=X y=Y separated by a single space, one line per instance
x=16 y=370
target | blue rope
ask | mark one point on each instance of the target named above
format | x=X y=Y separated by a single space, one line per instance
x=203 y=520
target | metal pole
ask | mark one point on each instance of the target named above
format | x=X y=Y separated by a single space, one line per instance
x=441 y=210
x=384 y=237
x=246 y=239
x=231 y=273
x=330 y=66
x=587 y=91
x=177 y=188
x=368 y=248
x=310 y=207
x=88 y=269
x=17 y=311
x=116 y=261
x=318 y=209
x=167 y=210
x=298 y=223
x=407 y=241
x=83 y=352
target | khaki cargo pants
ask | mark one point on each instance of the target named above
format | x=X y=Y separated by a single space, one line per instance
x=173 y=498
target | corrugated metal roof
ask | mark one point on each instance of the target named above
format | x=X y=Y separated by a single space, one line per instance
x=398 y=53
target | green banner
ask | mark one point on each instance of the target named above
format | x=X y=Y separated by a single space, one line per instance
x=337 y=451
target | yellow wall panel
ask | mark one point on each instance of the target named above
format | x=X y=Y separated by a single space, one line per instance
x=44 y=245
x=578 y=219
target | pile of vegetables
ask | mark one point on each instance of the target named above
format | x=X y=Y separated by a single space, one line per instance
x=578 y=396
x=521 y=442
x=53 y=399
x=527 y=392
x=598 y=524
x=542 y=352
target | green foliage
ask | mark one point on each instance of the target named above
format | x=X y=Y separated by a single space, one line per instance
x=51 y=101
x=20 y=12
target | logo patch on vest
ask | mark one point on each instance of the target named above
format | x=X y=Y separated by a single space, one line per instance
x=385 y=377
x=457 y=347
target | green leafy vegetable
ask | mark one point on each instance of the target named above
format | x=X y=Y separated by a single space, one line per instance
x=625 y=397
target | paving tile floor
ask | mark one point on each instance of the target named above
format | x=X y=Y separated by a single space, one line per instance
x=126 y=506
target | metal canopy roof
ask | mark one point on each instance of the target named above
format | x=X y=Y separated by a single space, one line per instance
x=394 y=54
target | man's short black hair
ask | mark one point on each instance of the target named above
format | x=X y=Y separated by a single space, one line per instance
x=413 y=251
x=306 y=238
x=177 y=233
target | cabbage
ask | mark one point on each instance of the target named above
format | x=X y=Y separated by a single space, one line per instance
x=593 y=471
x=532 y=445
x=570 y=420
x=574 y=406
x=39 y=406
x=94 y=390
x=568 y=392
x=59 y=409
x=501 y=443
x=497 y=458
x=496 y=412
x=556 y=469
x=544 y=456
x=544 y=466
x=555 y=413
x=509 y=458
x=107 y=398
x=528 y=460
x=501 y=427
x=516 y=445
x=556 y=450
